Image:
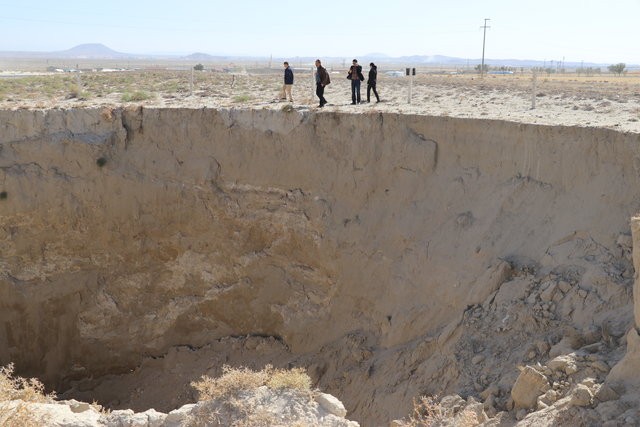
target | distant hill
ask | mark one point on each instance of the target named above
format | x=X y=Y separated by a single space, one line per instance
x=199 y=56
x=91 y=50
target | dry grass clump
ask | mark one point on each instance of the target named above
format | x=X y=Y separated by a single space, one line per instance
x=24 y=389
x=228 y=387
x=234 y=380
x=242 y=98
x=138 y=95
x=428 y=412
x=209 y=415
x=295 y=378
x=18 y=388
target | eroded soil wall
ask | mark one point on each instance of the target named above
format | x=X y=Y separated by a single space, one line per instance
x=126 y=233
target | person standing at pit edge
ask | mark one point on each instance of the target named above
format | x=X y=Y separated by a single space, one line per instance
x=288 y=83
x=371 y=82
x=322 y=80
x=355 y=75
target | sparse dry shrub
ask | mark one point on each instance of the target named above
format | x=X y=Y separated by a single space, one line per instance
x=74 y=92
x=138 y=95
x=24 y=389
x=210 y=415
x=259 y=418
x=295 y=378
x=428 y=412
x=226 y=390
x=18 y=388
x=234 y=380
x=206 y=415
x=242 y=98
x=251 y=415
x=231 y=382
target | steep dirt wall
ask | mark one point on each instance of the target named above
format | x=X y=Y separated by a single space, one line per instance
x=125 y=233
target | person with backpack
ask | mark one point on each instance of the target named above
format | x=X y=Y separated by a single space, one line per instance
x=371 y=82
x=322 y=80
x=355 y=75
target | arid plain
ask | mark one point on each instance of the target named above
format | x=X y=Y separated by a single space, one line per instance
x=598 y=100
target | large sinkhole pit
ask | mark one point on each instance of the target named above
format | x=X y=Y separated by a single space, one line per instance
x=142 y=248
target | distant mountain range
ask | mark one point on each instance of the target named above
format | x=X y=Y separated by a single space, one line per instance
x=97 y=51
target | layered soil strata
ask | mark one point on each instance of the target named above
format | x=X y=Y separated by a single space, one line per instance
x=393 y=255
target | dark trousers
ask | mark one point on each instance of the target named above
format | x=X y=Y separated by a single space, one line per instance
x=320 y=94
x=369 y=87
x=355 y=90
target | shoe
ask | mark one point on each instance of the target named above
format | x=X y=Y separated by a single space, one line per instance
x=353 y=103
x=321 y=105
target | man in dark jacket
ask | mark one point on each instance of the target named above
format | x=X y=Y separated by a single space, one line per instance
x=322 y=79
x=288 y=83
x=371 y=82
x=355 y=75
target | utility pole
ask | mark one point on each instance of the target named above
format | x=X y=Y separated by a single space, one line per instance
x=484 y=37
x=191 y=83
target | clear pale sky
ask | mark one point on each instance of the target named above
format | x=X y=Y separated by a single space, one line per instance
x=576 y=30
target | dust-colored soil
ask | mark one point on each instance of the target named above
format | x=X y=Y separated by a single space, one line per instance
x=560 y=99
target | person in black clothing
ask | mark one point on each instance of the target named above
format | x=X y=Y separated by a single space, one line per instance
x=371 y=82
x=288 y=83
x=322 y=79
x=355 y=75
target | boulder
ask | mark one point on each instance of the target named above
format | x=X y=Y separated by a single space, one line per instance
x=529 y=385
x=547 y=294
x=581 y=396
x=627 y=370
x=331 y=404
x=606 y=393
x=178 y=416
x=565 y=363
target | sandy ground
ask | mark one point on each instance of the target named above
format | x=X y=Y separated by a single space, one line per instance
x=568 y=99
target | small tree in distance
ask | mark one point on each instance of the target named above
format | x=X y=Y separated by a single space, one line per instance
x=198 y=67
x=617 y=68
x=479 y=66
